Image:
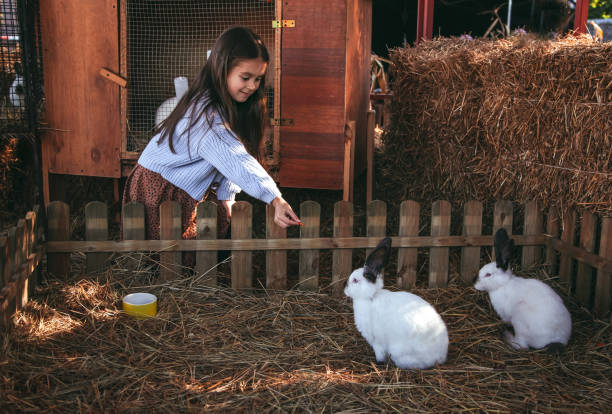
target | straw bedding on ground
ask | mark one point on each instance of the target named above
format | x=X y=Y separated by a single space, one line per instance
x=217 y=350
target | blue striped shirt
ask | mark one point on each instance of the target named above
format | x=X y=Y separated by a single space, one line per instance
x=214 y=155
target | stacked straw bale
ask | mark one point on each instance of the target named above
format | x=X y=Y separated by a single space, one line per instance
x=518 y=118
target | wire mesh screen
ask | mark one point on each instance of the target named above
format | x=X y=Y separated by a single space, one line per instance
x=20 y=79
x=167 y=43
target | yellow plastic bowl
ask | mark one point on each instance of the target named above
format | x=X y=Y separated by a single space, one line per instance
x=140 y=305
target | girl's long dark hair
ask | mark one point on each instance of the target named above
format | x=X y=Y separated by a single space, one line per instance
x=246 y=119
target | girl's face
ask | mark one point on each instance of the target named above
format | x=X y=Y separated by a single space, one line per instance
x=244 y=78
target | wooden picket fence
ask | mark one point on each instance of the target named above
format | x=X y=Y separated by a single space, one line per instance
x=583 y=270
x=21 y=252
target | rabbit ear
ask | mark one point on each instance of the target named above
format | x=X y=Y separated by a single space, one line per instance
x=503 y=248
x=377 y=260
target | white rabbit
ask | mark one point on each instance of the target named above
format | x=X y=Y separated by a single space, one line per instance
x=535 y=311
x=396 y=324
x=16 y=91
x=180 y=87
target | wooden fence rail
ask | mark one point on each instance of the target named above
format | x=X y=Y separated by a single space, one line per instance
x=582 y=261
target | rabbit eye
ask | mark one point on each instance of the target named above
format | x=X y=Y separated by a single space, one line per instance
x=355 y=280
x=488 y=275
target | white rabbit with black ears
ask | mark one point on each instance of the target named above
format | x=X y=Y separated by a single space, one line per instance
x=535 y=311
x=396 y=324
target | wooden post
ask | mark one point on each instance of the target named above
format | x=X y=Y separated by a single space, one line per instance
x=371 y=119
x=584 y=276
x=438 y=256
x=342 y=258
x=58 y=222
x=133 y=228
x=407 y=256
x=425 y=9
x=533 y=225
x=242 y=261
x=553 y=230
x=603 y=285
x=96 y=228
x=276 y=260
x=206 y=225
x=566 y=261
x=170 y=228
x=580 y=16
x=310 y=214
x=349 y=151
x=472 y=226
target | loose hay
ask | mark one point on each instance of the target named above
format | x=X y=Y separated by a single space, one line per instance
x=519 y=119
x=218 y=350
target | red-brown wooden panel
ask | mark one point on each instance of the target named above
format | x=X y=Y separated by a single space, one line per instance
x=312 y=94
x=313 y=148
x=320 y=119
x=82 y=135
x=302 y=91
x=322 y=174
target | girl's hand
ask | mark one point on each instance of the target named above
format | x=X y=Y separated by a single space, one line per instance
x=283 y=214
x=228 y=207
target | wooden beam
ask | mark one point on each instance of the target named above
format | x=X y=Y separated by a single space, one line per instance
x=283 y=244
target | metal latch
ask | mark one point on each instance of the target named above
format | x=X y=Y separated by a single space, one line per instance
x=281 y=122
x=276 y=24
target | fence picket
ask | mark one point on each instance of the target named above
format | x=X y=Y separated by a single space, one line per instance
x=603 y=285
x=96 y=228
x=342 y=258
x=133 y=228
x=407 y=256
x=534 y=221
x=276 y=261
x=206 y=225
x=376 y=226
x=310 y=214
x=58 y=223
x=584 y=275
x=170 y=228
x=31 y=231
x=503 y=216
x=472 y=226
x=242 y=261
x=438 y=256
x=553 y=230
x=566 y=261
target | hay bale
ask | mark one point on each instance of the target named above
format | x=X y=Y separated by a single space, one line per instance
x=519 y=118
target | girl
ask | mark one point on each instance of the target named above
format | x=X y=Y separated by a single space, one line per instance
x=205 y=149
